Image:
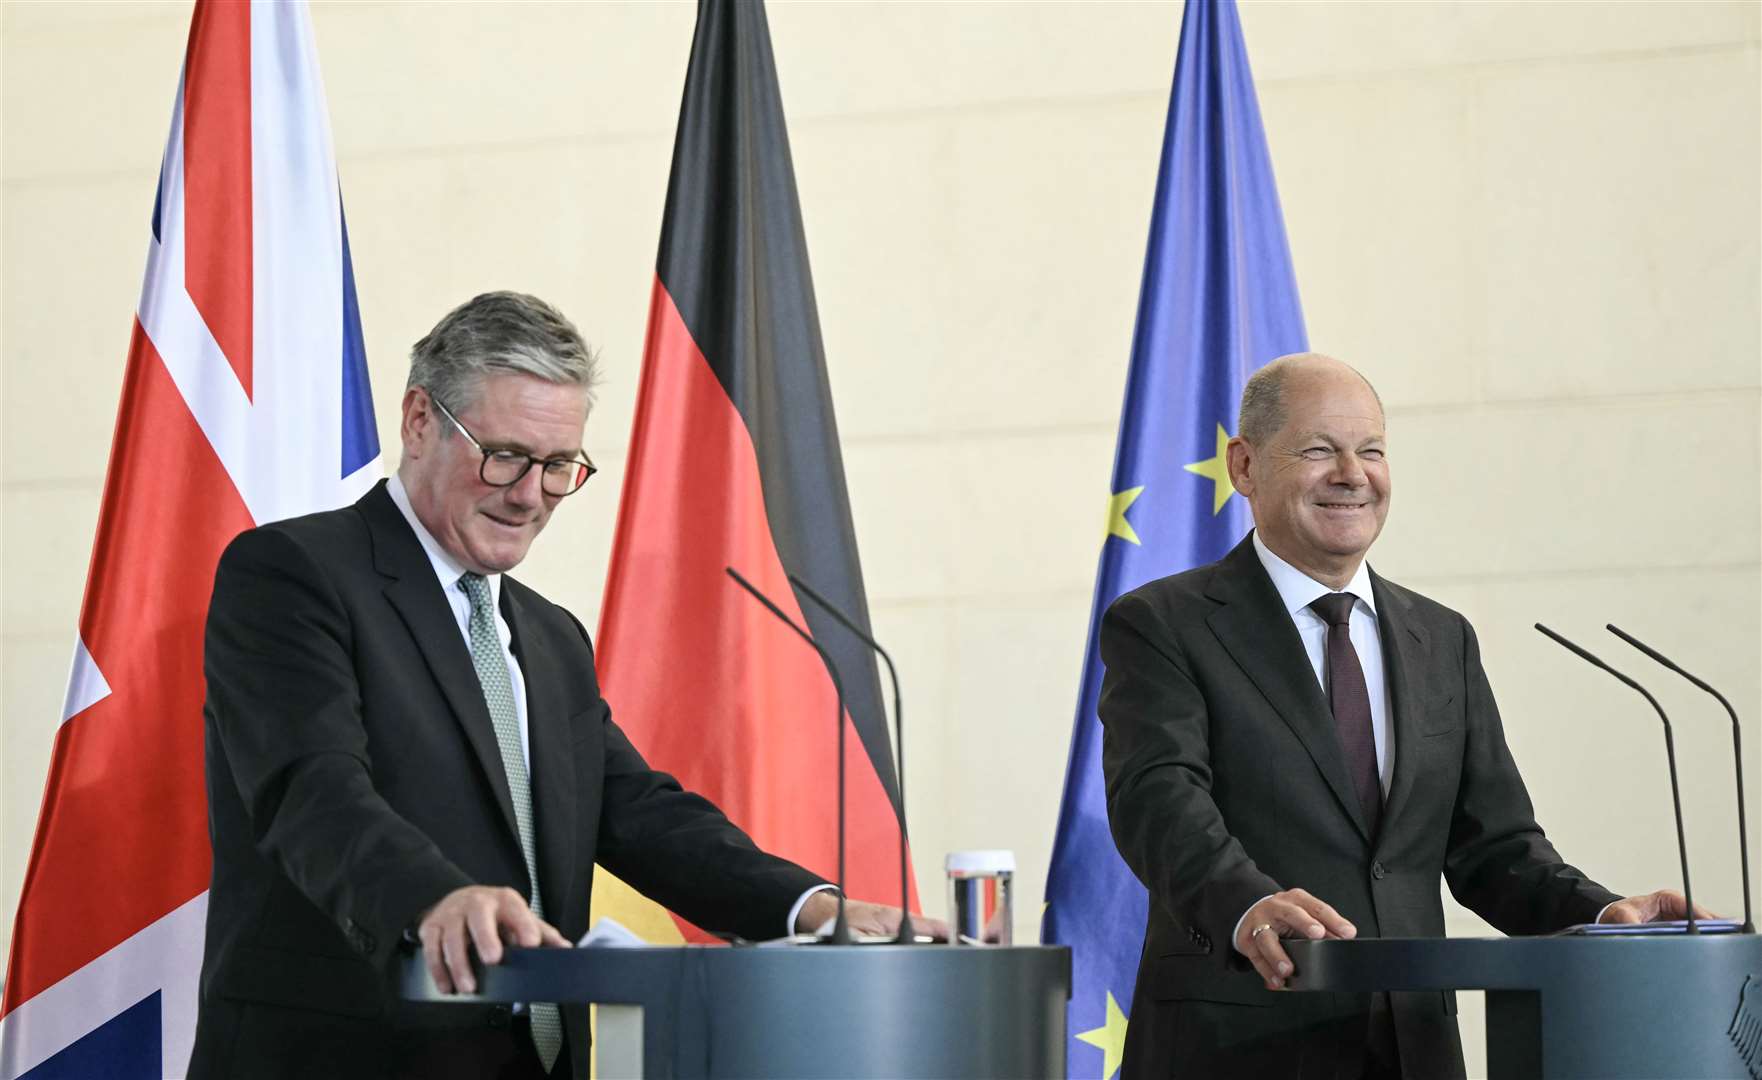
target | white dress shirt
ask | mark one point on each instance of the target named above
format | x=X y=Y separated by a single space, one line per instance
x=1297 y=591
x=448 y=572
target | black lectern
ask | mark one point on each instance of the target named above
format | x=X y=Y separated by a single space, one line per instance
x=892 y=1011
x=1569 y=1007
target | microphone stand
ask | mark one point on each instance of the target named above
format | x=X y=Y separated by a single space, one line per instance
x=904 y=936
x=840 y=927
x=1682 y=845
x=1737 y=750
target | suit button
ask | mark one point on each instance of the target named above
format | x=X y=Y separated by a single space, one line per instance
x=1202 y=941
x=1377 y=871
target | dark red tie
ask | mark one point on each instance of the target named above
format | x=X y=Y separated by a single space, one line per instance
x=1350 y=701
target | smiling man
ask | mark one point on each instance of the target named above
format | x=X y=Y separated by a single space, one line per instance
x=1296 y=747
x=407 y=748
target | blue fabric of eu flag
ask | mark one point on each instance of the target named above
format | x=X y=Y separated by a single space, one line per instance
x=1218 y=300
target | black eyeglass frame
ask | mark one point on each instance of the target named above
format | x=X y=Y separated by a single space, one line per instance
x=544 y=473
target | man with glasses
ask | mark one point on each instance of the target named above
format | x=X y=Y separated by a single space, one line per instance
x=406 y=746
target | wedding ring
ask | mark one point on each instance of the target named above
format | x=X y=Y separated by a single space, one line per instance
x=1257 y=931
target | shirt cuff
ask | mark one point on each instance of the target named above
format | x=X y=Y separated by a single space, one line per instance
x=800 y=902
x=1604 y=908
x=1236 y=931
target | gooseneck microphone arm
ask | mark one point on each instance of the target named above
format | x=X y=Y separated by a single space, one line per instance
x=1737 y=749
x=1682 y=846
x=904 y=937
x=840 y=927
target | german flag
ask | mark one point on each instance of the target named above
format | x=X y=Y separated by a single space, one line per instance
x=734 y=462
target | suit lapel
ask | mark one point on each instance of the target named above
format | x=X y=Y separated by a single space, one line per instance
x=416 y=596
x=1254 y=627
x=1405 y=649
x=550 y=761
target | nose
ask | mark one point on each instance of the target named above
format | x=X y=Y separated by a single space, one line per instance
x=1349 y=470
x=528 y=490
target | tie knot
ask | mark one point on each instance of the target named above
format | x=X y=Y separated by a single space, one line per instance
x=1334 y=608
x=476 y=587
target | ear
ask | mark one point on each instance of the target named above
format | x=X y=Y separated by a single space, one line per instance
x=419 y=425
x=1239 y=456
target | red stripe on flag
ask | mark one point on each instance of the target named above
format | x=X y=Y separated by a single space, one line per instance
x=122 y=838
x=217 y=177
x=706 y=682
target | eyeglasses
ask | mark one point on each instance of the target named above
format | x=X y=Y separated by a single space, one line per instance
x=503 y=467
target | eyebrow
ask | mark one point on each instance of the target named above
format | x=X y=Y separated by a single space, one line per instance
x=550 y=455
x=1323 y=437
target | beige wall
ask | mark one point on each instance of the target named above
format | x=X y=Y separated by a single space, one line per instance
x=1534 y=225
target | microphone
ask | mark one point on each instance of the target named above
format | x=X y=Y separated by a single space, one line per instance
x=1682 y=846
x=1737 y=750
x=904 y=937
x=840 y=927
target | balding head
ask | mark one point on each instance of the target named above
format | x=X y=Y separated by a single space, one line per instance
x=1263 y=398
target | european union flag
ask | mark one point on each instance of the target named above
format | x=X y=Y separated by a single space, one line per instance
x=1218 y=300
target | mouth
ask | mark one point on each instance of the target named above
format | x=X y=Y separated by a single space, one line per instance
x=1342 y=507
x=506 y=523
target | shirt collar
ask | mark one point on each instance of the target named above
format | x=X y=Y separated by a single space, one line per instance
x=446 y=569
x=1298 y=590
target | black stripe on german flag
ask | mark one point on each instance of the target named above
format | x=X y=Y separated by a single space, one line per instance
x=735 y=461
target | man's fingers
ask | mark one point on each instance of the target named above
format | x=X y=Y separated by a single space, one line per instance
x=1252 y=951
x=1291 y=913
x=1270 y=958
x=1332 y=923
x=457 y=956
x=1673 y=905
x=1293 y=917
x=431 y=955
x=1264 y=969
x=883 y=920
x=550 y=936
x=526 y=928
x=480 y=920
x=474 y=916
x=1652 y=907
x=872 y=919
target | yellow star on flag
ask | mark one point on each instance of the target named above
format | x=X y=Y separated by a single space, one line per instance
x=1110 y=1038
x=1117 y=525
x=1217 y=470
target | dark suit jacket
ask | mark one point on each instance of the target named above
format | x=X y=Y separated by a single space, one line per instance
x=354 y=780
x=1226 y=783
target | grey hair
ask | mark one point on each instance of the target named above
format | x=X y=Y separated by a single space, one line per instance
x=1262 y=412
x=500 y=332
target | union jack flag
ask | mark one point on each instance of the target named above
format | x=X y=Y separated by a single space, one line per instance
x=245 y=400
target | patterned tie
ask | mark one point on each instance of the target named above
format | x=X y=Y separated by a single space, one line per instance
x=498 y=694
x=1350 y=701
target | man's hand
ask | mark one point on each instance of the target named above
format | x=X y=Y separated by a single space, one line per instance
x=480 y=916
x=875 y=920
x=1292 y=913
x=1652 y=907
